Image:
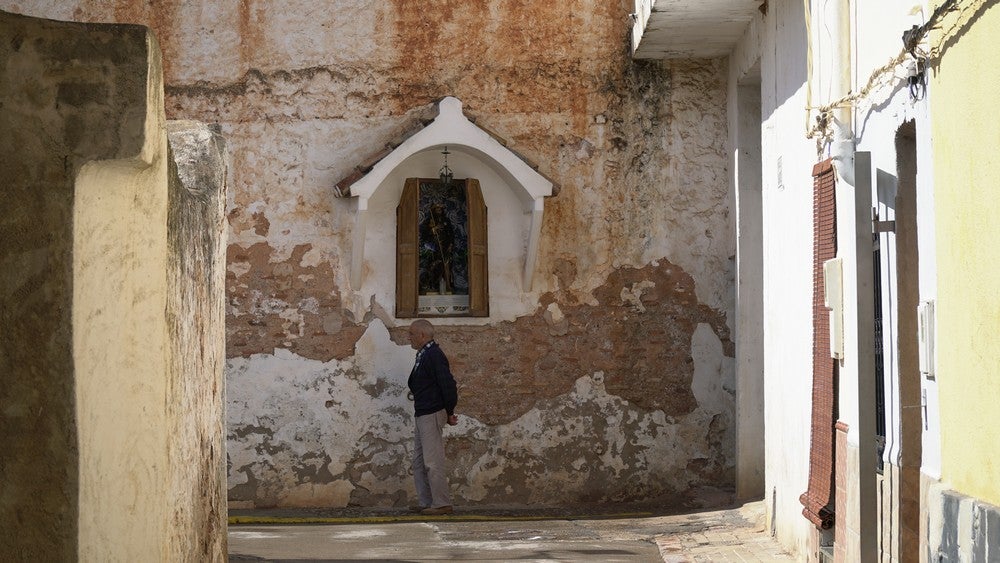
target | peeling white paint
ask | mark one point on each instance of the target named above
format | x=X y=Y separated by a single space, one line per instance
x=288 y=412
x=633 y=295
x=712 y=384
x=239 y=268
x=310 y=305
x=568 y=423
x=291 y=409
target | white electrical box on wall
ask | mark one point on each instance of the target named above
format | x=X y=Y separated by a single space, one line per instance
x=833 y=298
x=925 y=335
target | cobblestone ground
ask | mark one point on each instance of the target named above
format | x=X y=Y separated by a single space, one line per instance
x=723 y=535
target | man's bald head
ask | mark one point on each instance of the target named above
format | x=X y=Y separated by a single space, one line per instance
x=421 y=332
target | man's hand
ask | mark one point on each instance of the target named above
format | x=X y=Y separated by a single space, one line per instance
x=453 y=420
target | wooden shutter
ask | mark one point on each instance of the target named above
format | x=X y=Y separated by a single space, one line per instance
x=818 y=498
x=479 y=290
x=406 y=250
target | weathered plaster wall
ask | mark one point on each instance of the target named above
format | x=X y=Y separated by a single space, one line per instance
x=99 y=388
x=744 y=102
x=343 y=431
x=960 y=527
x=636 y=250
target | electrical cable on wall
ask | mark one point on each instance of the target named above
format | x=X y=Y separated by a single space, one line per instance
x=918 y=61
x=809 y=65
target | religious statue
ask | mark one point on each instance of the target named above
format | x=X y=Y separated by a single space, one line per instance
x=437 y=246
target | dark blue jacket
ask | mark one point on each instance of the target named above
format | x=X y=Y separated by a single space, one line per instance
x=432 y=384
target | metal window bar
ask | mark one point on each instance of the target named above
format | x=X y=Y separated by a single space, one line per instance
x=879 y=356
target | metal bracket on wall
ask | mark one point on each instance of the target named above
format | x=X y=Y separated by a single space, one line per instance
x=882 y=226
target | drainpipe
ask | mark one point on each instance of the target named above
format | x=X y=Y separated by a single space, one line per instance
x=842 y=146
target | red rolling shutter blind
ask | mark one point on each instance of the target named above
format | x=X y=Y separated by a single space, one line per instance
x=818 y=499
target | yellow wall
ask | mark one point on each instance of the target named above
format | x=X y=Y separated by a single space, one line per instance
x=120 y=344
x=966 y=140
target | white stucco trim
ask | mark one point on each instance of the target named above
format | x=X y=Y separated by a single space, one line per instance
x=452 y=129
x=358 y=250
x=533 y=235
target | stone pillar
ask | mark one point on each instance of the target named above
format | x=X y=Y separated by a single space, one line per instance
x=196 y=271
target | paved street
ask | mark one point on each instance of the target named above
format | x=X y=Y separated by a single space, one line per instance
x=722 y=535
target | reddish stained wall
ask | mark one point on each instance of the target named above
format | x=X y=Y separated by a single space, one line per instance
x=515 y=56
x=284 y=304
x=505 y=369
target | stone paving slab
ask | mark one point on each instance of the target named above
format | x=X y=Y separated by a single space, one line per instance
x=735 y=534
x=436 y=541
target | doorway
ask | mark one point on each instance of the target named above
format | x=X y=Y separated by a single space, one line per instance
x=898 y=397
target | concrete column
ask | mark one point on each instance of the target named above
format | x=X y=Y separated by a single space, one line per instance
x=749 y=294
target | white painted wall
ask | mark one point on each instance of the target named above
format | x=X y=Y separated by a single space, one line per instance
x=786 y=215
x=876 y=120
x=877 y=27
x=778 y=41
x=746 y=171
x=930 y=451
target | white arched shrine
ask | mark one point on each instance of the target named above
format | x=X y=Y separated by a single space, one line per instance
x=453 y=129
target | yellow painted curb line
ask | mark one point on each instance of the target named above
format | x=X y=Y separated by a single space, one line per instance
x=247 y=520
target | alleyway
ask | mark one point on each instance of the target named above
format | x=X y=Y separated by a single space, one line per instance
x=722 y=535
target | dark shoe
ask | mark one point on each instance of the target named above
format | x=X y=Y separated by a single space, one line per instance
x=439 y=511
x=417 y=508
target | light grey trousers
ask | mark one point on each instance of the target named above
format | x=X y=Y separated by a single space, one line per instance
x=428 y=460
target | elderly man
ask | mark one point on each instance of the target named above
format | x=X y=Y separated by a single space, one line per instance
x=434 y=398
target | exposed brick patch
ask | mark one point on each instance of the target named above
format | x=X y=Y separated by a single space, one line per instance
x=639 y=335
x=285 y=305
